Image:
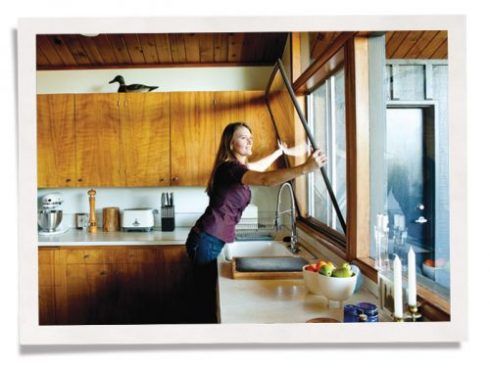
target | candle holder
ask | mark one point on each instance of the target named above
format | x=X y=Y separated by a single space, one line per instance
x=398 y=319
x=413 y=314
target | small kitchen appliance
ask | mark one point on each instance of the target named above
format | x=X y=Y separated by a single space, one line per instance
x=50 y=216
x=137 y=219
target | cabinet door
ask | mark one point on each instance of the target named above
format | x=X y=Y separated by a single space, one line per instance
x=47 y=309
x=145 y=138
x=98 y=144
x=193 y=137
x=258 y=118
x=250 y=108
x=114 y=285
x=56 y=165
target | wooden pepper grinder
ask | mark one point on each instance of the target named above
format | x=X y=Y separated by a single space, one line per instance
x=92 y=220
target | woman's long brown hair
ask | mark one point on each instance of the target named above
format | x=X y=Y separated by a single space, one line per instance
x=224 y=150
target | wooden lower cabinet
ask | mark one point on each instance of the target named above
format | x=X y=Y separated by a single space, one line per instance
x=114 y=285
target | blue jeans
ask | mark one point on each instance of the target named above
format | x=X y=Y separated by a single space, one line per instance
x=202 y=247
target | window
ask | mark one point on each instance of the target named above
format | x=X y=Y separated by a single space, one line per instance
x=326 y=117
x=382 y=102
x=415 y=162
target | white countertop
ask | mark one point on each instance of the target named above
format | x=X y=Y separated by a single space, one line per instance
x=274 y=301
x=76 y=237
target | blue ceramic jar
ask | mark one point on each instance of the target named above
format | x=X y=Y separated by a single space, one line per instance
x=368 y=312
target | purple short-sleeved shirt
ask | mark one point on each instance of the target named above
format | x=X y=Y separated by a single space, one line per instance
x=227 y=202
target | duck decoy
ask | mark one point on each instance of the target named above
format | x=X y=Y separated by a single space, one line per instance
x=132 y=87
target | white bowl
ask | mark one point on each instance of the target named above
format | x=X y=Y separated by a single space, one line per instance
x=429 y=271
x=311 y=281
x=337 y=288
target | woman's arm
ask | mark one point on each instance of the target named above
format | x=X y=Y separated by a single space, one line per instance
x=264 y=163
x=276 y=177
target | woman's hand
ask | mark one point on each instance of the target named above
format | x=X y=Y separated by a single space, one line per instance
x=299 y=150
x=316 y=160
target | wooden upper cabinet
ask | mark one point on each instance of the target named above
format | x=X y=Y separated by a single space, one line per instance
x=250 y=108
x=258 y=118
x=193 y=137
x=98 y=143
x=150 y=139
x=145 y=138
x=56 y=162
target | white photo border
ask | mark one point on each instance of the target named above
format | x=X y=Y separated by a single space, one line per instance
x=30 y=333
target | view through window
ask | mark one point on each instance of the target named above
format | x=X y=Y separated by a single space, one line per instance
x=415 y=158
x=326 y=107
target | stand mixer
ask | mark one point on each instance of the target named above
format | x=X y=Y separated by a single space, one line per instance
x=50 y=216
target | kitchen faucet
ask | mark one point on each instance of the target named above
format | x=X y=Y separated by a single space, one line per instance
x=294 y=235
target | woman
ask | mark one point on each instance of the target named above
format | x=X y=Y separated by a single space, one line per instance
x=229 y=194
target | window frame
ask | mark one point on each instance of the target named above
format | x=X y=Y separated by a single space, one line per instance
x=337 y=237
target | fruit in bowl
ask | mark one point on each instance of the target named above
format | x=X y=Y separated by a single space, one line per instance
x=431 y=267
x=310 y=278
x=340 y=285
x=310 y=274
x=327 y=268
x=344 y=271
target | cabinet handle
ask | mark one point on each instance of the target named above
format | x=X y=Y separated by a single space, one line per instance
x=68 y=180
x=163 y=179
x=175 y=178
x=80 y=180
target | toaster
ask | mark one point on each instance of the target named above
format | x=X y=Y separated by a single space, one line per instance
x=137 y=219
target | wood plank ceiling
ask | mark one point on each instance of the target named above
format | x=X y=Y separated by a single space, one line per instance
x=399 y=44
x=74 y=51
x=209 y=49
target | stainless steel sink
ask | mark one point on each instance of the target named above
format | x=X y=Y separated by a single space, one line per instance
x=256 y=249
x=257 y=260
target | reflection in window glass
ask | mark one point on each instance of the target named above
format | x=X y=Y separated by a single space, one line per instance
x=417 y=170
x=327 y=121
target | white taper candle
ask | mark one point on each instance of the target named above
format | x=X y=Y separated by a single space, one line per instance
x=398 y=288
x=412 y=278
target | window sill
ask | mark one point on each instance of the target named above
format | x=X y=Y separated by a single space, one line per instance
x=335 y=247
x=433 y=306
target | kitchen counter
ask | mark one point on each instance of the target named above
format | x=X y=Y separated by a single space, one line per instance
x=274 y=301
x=240 y=301
x=80 y=237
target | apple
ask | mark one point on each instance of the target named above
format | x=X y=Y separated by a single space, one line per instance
x=327 y=268
x=319 y=264
x=343 y=271
x=313 y=267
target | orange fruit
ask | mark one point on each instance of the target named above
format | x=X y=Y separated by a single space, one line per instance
x=429 y=262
